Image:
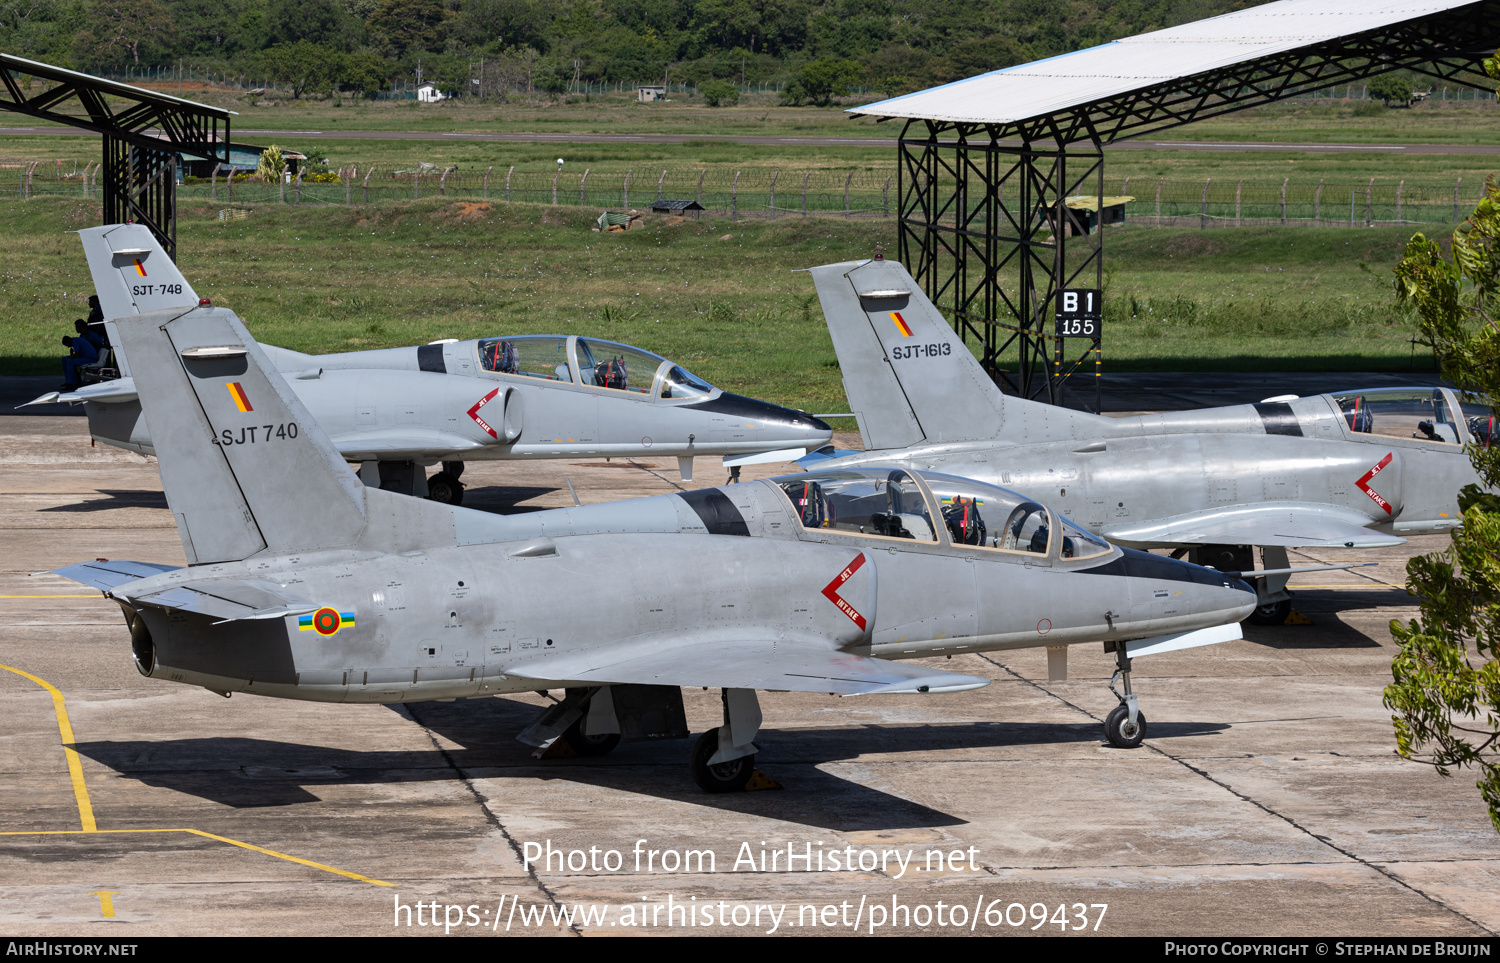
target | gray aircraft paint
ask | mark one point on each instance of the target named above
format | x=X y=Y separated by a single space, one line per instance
x=418 y=600
x=1276 y=474
x=437 y=402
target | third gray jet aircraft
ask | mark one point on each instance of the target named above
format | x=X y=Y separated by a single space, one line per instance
x=1354 y=469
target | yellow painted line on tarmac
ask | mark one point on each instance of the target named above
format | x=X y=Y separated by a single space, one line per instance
x=86 y=808
x=1369 y=586
x=75 y=765
x=295 y=859
x=106 y=905
x=222 y=839
x=93 y=596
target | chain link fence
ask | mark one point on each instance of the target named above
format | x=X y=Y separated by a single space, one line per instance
x=767 y=192
x=1324 y=202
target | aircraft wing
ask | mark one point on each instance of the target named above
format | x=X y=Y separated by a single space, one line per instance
x=106 y=575
x=779 y=666
x=384 y=441
x=1292 y=526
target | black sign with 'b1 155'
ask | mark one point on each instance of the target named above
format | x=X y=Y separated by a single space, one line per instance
x=1079 y=314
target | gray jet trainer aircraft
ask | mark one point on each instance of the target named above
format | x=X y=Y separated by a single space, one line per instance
x=1354 y=469
x=305 y=584
x=399 y=409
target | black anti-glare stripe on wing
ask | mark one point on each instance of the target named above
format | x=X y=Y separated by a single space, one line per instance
x=1278 y=418
x=430 y=358
x=718 y=513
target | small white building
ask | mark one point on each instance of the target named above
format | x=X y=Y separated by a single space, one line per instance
x=648 y=94
x=429 y=94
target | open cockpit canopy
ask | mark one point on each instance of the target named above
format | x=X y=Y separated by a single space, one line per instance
x=592 y=362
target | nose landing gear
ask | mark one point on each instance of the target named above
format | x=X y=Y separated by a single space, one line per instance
x=1125 y=726
x=445 y=487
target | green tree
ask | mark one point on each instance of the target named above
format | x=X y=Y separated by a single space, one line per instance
x=125 y=32
x=363 y=73
x=1391 y=89
x=409 y=25
x=823 y=80
x=720 y=93
x=302 y=66
x=1446 y=693
x=324 y=22
x=504 y=23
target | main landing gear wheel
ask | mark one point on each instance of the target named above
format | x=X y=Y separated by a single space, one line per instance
x=728 y=776
x=1271 y=613
x=586 y=745
x=1121 y=732
x=444 y=488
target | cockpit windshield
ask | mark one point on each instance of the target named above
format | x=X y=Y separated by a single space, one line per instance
x=678 y=384
x=535 y=356
x=1400 y=413
x=882 y=503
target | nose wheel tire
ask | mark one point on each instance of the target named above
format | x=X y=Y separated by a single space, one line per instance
x=728 y=776
x=1121 y=732
x=1271 y=613
x=444 y=488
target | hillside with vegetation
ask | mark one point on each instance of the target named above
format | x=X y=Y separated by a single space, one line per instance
x=809 y=49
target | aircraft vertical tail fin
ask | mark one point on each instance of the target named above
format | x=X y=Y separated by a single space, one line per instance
x=132 y=275
x=245 y=468
x=908 y=376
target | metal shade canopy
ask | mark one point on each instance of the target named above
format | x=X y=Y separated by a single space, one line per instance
x=144 y=132
x=988 y=165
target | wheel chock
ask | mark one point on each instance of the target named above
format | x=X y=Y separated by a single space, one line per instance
x=759 y=780
x=560 y=749
x=1297 y=618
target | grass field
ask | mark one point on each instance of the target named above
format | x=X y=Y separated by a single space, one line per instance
x=735 y=311
x=1298 y=119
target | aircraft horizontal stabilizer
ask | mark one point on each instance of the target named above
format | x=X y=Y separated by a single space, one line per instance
x=106 y=575
x=226 y=599
x=1292 y=526
x=779 y=666
x=106 y=392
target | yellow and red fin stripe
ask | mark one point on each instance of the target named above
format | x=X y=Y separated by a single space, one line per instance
x=901 y=324
x=140 y=269
x=238 y=394
x=325 y=621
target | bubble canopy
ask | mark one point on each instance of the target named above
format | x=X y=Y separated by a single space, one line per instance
x=924 y=506
x=594 y=363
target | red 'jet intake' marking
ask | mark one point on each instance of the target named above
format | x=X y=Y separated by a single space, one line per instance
x=831 y=591
x=474 y=413
x=1364 y=482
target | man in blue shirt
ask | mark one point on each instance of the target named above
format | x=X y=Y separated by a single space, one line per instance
x=82 y=353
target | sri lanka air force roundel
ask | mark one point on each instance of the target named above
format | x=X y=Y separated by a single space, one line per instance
x=325 y=621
